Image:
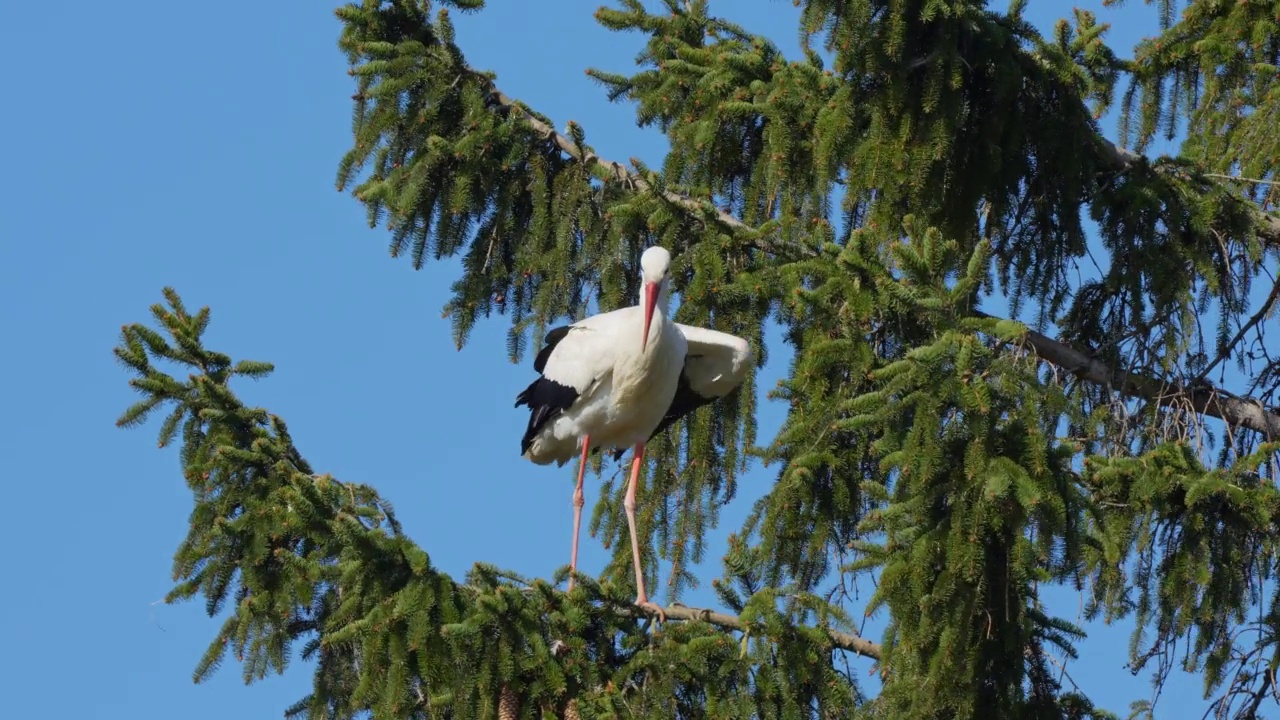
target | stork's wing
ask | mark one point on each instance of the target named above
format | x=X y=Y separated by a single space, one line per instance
x=573 y=360
x=715 y=364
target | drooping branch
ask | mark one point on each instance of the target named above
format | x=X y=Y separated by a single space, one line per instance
x=1203 y=398
x=1120 y=159
x=613 y=170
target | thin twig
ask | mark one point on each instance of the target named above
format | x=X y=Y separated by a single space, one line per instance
x=1237 y=178
x=1253 y=322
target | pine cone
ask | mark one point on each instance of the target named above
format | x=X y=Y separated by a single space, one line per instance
x=508 y=704
x=571 y=710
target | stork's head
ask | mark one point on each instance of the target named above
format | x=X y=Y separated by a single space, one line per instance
x=653 y=271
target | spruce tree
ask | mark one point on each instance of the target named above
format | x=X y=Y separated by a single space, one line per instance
x=921 y=156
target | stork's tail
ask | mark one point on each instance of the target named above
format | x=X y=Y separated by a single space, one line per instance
x=546 y=400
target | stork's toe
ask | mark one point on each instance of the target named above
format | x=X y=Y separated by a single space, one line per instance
x=652 y=609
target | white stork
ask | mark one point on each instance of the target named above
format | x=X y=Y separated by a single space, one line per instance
x=601 y=386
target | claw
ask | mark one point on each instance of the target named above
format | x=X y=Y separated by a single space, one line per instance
x=653 y=609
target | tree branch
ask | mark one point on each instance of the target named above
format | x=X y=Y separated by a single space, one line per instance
x=1203 y=398
x=1121 y=159
x=678 y=611
x=1237 y=178
x=615 y=170
x=842 y=640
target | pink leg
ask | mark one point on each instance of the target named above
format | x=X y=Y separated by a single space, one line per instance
x=630 y=504
x=578 y=502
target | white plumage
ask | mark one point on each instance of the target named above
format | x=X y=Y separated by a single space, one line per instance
x=617 y=379
x=620 y=394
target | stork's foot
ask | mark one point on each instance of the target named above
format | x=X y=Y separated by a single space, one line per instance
x=652 y=609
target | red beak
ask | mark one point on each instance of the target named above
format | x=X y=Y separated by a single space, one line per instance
x=650 y=300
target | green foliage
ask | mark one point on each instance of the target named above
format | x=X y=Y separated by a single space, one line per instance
x=1217 y=67
x=1203 y=539
x=943 y=445
x=864 y=204
x=305 y=559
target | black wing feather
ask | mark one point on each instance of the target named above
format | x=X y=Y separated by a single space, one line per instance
x=549 y=343
x=545 y=398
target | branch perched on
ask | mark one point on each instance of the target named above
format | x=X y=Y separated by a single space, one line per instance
x=842 y=640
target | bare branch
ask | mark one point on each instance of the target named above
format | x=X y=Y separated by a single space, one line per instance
x=1262 y=313
x=1203 y=398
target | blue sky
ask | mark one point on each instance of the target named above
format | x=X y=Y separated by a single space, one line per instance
x=144 y=149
